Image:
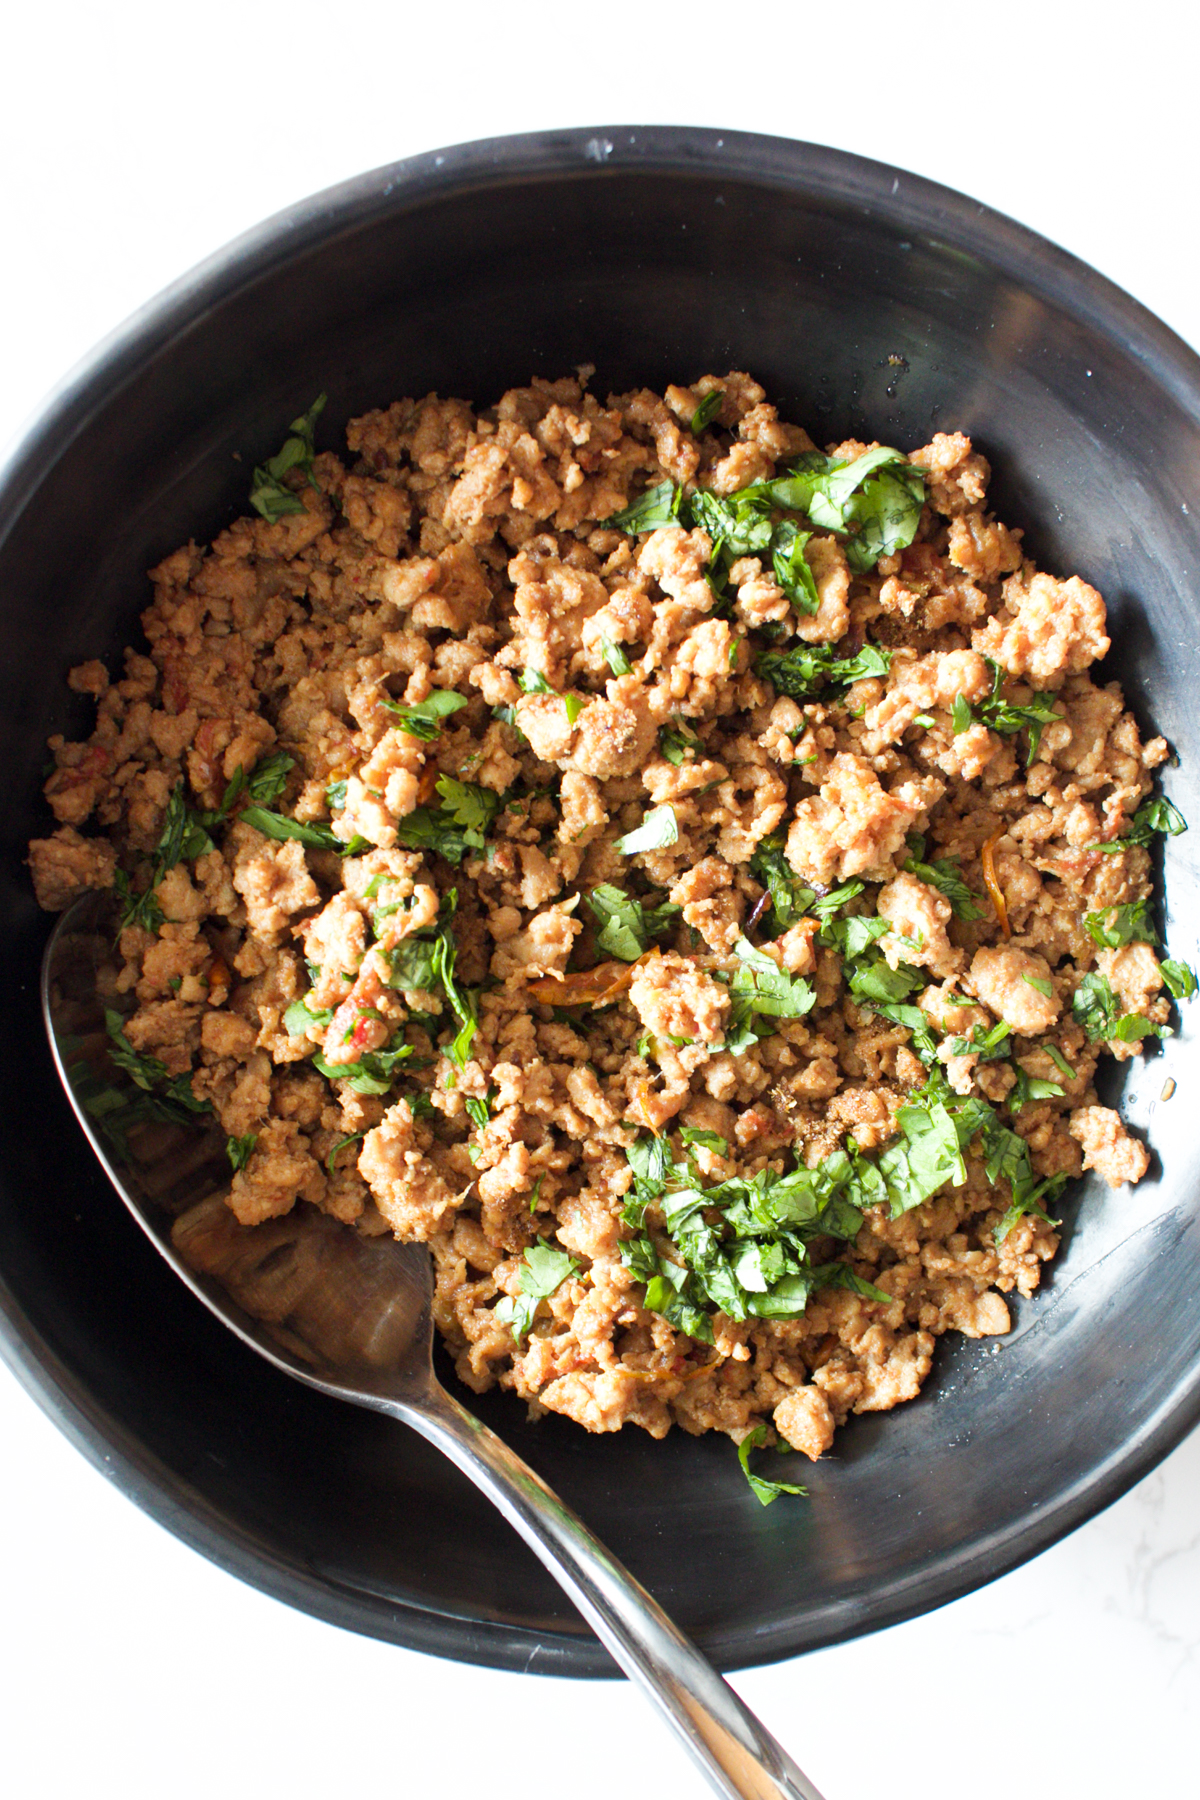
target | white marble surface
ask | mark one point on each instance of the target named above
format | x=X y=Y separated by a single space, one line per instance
x=135 y=139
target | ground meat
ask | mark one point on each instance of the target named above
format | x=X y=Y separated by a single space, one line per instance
x=426 y=988
x=1107 y=1146
x=1048 y=629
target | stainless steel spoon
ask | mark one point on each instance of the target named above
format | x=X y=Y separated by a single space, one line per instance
x=352 y=1317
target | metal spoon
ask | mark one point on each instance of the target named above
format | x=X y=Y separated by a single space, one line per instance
x=352 y=1317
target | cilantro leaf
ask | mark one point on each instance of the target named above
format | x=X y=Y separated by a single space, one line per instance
x=542 y=1272
x=801 y=673
x=675 y=740
x=658 y=830
x=268 y=493
x=764 y=1491
x=655 y=508
x=1095 y=1007
x=240 y=1149
x=423 y=719
x=1114 y=926
x=626 y=926
x=456 y=826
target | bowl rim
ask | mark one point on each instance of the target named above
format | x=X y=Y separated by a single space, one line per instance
x=949 y=219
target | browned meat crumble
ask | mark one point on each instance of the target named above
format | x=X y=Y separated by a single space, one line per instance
x=608 y=685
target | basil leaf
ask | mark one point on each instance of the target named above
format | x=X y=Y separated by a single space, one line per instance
x=278 y=826
x=615 y=657
x=300 y=1016
x=945 y=874
x=649 y=512
x=926 y=1161
x=372 y=1073
x=268 y=494
x=1095 y=1008
x=1114 y=926
x=657 y=831
x=331 y=1159
x=759 y=985
x=764 y=1491
x=532 y=681
x=1178 y=978
x=792 y=571
x=707 y=411
x=240 y=1149
x=675 y=741
x=542 y=1272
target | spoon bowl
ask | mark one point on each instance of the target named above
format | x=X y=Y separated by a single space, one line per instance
x=353 y=1317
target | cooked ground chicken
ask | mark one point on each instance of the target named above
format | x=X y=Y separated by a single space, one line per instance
x=476 y=855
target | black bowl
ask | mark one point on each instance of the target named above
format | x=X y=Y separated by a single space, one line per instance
x=869 y=303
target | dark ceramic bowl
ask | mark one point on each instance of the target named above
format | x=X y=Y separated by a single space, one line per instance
x=657 y=255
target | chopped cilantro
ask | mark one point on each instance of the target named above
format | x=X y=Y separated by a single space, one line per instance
x=423 y=719
x=1095 y=1007
x=532 y=681
x=675 y=741
x=456 y=826
x=800 y=673
x=542 y=1272
x=627 y=926
x=268 y=493
x=1114 y=926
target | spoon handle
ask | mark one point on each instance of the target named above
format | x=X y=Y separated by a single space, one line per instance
x=739 y=1756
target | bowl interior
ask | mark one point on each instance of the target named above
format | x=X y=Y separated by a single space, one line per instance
x=867 y=304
